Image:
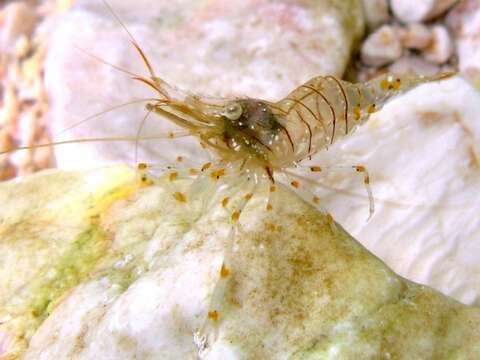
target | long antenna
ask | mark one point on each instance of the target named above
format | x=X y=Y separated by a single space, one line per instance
x=75 y=124
x=112 y=139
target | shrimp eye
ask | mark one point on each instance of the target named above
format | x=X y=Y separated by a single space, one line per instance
x=232 y=111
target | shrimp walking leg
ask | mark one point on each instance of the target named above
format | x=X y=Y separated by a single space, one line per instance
x=361 y=169
x=240 y=196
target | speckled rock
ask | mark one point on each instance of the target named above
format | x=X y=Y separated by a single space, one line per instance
x=95 y=266
x=229 y=48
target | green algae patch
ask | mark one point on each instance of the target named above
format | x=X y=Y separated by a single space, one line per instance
x=69 y=270
x=36 y=300
x=52 y=239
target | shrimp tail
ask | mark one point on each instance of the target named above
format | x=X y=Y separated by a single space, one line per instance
x=325 y=109
x=336 y=107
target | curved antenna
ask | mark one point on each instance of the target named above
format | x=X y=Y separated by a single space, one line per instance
x=105 y=62
x=103 y=112
x=92 y=140
x=132 y=39
x=139 y=131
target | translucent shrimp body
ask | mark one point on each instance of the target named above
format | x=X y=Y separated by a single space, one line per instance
x=279 y=135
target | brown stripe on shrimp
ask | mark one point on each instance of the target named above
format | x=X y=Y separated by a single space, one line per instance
x=299 y=102
x=332 y=110
x=342 y=90
x=308 y=128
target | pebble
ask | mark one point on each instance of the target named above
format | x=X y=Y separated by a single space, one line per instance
x=376 y=13
x=415 y=36
x=381 y=47
x=22 y=46
x=413 y=64
x=464 y=22
x=18 y=19
x=441 y=47
x=419 y=10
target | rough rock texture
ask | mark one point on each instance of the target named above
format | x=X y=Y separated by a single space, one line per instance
x=423 y=154
x=94 y=266
x=230 y=48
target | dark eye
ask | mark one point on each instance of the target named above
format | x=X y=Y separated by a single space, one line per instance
x=232 y=111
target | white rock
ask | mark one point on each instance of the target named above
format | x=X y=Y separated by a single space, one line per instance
x=381 y=47
x=413 y=64
x=376 y=13
x=464 y=21
x=415 y=36
x=18 y=19
x=441 y=47
x=259 y=49
x=419 y=10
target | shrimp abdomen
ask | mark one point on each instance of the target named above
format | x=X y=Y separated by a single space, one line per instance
x=325 y=109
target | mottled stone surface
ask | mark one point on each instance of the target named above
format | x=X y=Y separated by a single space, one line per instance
x=99 y=267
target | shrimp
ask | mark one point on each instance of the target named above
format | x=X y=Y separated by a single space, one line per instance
x=258 y=137
x=256 y=143
x=277 y=136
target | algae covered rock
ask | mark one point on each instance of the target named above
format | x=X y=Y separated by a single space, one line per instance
x=96 y=266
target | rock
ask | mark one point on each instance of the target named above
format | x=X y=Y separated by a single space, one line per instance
x=376 y=13
x=19 y=19
x=256 y=49
x=413 y=64
x=365 y=73
x=418 y=11
x=415 y=36
x=464 y=21
x=441 y=47
x=423 y=155
x=101 y=267
x=381 y=47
